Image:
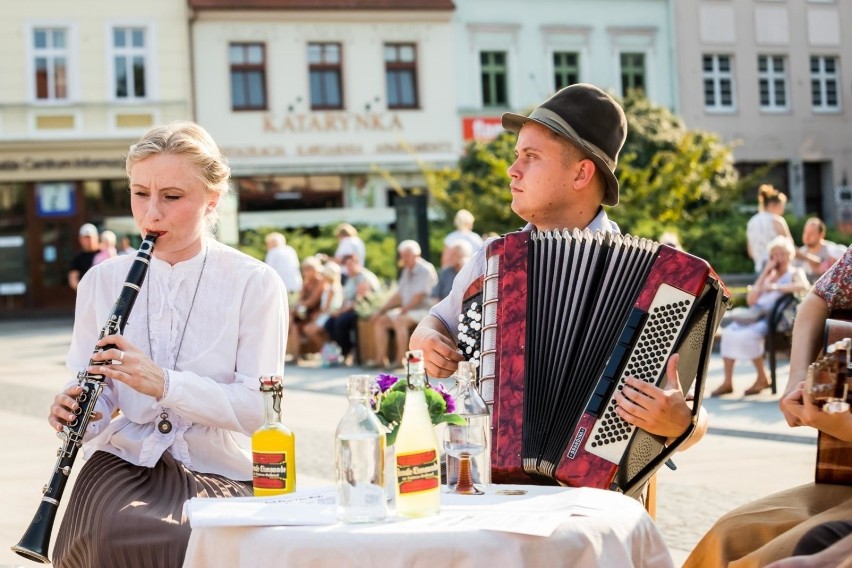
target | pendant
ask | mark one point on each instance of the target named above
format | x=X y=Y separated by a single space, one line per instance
x=164 y=426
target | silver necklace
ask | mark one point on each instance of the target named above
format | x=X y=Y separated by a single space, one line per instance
x=165 y=425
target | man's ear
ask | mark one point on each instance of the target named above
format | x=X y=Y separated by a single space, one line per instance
x=586 y=170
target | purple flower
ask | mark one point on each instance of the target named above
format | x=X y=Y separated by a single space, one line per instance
x=385 y=382
x=442 y=390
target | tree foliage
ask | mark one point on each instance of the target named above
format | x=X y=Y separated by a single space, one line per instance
x=672 y=179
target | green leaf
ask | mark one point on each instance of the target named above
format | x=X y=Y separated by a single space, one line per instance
x=393 y=404
x=450 y=419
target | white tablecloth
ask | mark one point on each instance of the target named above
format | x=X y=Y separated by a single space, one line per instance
x=604 y=529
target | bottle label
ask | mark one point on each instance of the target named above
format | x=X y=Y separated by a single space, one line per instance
x=417 y=472
x=269 y=470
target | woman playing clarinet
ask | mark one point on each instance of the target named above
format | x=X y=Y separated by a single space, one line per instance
x=181 y=383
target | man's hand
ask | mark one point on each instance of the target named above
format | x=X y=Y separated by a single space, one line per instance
x=441 y=355
x=659 y=411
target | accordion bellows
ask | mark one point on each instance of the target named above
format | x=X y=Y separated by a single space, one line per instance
x=566 y=317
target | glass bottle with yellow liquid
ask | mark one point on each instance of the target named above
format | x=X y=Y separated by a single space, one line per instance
x=273 y=446
x=418 y=471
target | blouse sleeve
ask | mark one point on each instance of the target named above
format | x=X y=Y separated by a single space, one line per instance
x=238 y=405
x=835 y=286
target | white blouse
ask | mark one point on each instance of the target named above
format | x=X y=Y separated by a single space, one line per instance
x=236 y=332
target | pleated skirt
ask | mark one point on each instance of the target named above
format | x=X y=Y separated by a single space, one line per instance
x=125 y=516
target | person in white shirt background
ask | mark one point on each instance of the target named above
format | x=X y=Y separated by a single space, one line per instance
x=284 y=260
x=348 y=243
x=208 y=322
x=766 y=224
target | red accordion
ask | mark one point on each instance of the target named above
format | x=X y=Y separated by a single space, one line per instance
x=565 y=318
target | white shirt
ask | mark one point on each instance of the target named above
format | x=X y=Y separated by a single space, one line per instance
x=448 y=309
x=351 y=245
x=474 y=240
x=285 y=262
x=236 y=332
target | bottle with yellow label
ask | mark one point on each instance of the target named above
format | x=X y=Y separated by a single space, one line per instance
x=418 y=471
x=273 y=446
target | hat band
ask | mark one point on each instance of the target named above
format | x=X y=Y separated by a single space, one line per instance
x=558 y=124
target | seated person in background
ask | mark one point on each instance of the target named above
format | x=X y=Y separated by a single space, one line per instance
x=307 y=306
x=769 y=529
x=464 y=231
x=745 y=339
x=283 y=258
x=408 y=305
x=455 y=256
x=332 y=298
x=343 y=321
x=816 y=255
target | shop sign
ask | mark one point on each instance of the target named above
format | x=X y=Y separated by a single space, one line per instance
x=481 y=128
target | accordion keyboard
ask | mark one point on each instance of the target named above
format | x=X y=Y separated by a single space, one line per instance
x=665 y=319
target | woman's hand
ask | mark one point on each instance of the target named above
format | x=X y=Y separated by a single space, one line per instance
x=127 y=364
x=65 y=408
x=799 y=410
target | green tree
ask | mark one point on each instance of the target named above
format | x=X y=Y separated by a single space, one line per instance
x=479 y=184
x=672 y=179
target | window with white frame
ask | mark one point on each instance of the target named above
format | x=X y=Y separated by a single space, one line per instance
x=772 y=81
x=718 y=82
x=494 y=77
x=50 y=63
x=825 y=83
x=566 y=68
x=401 y=75
x=130 y=62
x=633 y=72
x=325 y=69
x=248 y=76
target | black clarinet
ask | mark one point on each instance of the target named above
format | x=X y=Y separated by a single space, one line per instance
x=36 y=540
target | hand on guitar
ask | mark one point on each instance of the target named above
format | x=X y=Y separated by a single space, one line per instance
x=800 y=410
x=659 y=411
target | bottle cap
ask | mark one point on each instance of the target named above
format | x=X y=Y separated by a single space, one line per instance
x=271 y=383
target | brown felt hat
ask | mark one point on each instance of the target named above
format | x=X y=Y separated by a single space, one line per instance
x=588 y=117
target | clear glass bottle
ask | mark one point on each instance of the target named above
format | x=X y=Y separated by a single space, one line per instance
x=418 y=472
x=360 y=458
x=273 y=445
x=471 y=406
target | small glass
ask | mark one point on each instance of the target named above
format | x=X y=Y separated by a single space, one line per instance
x=464 y=442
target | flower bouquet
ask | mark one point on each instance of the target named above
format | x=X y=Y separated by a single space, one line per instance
x=388 y=402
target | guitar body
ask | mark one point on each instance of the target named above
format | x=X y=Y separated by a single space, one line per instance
x=834 y=456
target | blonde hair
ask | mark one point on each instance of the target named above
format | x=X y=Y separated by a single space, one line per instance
x=463 y=219
x=275 y=238
x=183 y=138
x=346 y=229
x=767 y=195
x=781 y=242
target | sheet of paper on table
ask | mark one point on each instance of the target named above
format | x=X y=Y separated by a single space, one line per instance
x=532 y=510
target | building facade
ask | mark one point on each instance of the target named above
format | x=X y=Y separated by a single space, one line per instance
x=773 y=76
x=328 y=110
x=511 y=56
x=79 y=82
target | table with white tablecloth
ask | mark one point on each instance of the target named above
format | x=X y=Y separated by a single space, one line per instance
x=508 y=526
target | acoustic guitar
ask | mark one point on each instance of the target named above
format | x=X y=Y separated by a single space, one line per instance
x=834 y=456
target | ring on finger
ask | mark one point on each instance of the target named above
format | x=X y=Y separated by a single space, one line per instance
x=120 y=355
